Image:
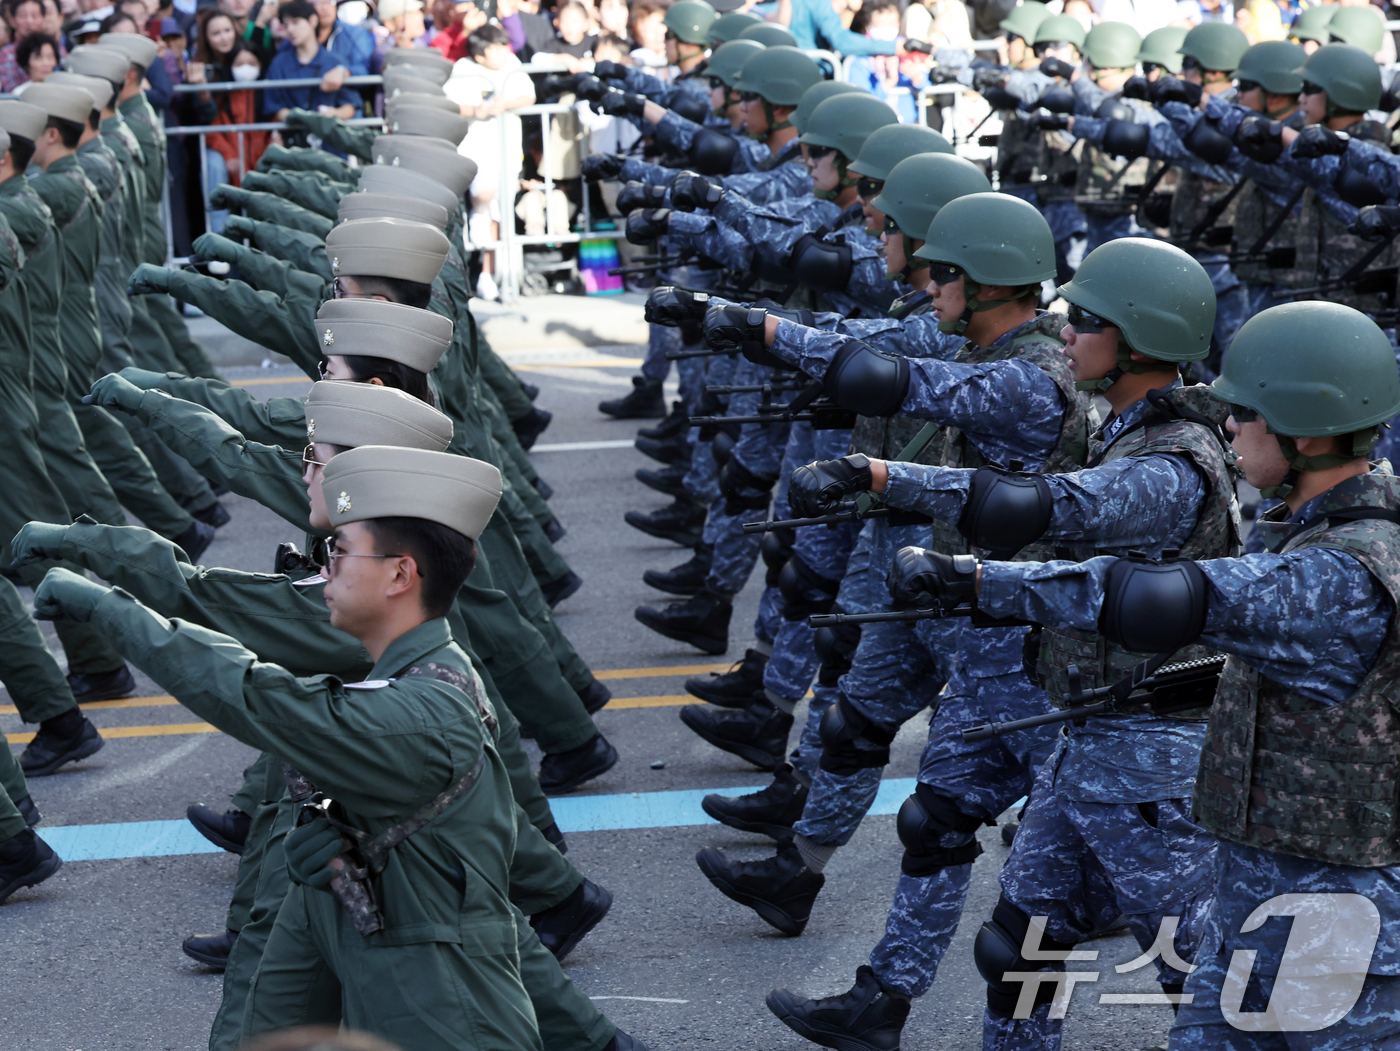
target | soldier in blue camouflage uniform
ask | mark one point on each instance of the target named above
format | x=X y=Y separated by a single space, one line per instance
x=1160 y=479
x=1298 y=693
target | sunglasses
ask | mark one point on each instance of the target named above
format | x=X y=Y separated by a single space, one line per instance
x=1243 y=86
x=1309 y=88
x=1148 y=67
x=818 y=152
x=749 y=96
x=1243 y=413
x=944 y=273
x=1187 y=62
x=308 y=457
x=890 y=226
x=868 y=188
x=1082 y=321
x=716 y=84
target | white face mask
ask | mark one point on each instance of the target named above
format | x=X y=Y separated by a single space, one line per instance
x=883 y=33
x=245 y=73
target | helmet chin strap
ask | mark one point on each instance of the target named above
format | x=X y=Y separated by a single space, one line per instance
x=911 y=262
x=1125 y=365
x=971 y=290
x=1361 y=444
x=730 y=97
x=773 y=123
x=844 y=180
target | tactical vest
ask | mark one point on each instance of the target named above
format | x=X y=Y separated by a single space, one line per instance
x=1018 y=150
x=1191 y=202
x=1040 y=345
x=1255 y=213
x=1327 y=249
x=1216 y=535
x=1291 y=775
x=1101 y=189
x=1057 y=168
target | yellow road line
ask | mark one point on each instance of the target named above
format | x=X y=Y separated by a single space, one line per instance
x=659 y=673
x=651 y=702
x=97 y=706
x=262 y=381
x=109 y=732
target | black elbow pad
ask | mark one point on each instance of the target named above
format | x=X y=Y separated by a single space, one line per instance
x=1123 y=138
x=1057 y=100
x=820 y=265
x=1207 y=142
x=1153 y=607
x=1114 y=109
x=1357 y=190
x=865 y=381
x=1006 y=510
x=712 y=153
x=691 y=107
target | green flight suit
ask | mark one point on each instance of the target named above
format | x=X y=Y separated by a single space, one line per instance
x=444 y=972
x=270 y=208
x=314 y=191
x=261 y=271
x=26 y=490
x=35 y=682
x=306 y=252
x=336 y=134
x=503 y=382
x=306 y=159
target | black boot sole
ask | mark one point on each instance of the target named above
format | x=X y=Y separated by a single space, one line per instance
x=705 y=643
x=222 y=842
x=714 y=805
x=821 y=1036
x=33 y=877
x=85 y=749
x=685 y=537
x=619 y=411
x=653 y=579
x=711 y=864
x=747 y=752
x=668 y=488
x=565 y=787
x=591 y=919
x=217 y=963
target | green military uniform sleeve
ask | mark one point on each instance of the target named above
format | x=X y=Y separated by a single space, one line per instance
x=303 y=250
x=311 y=190
x=265 y=272
x=503 y=383
x=306 y=159
x=270 y=208
x=335 y=133
x=285 y=325
x=277 y=421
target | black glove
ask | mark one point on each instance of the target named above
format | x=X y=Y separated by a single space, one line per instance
x=589 y=88
x=603 y=165
x=609 y=70
x=918 y=575
x=1056 y=67
x=1317 y=140
x=1137 y=87
x=735 y=327
x=670 y=306
x=646 y=225
x=1173 y=89
x=1043 y=121
x=621 y=103
x=943 y=75
x=1260 y=139
x=636 y=195
x=1000 y=98
x=918 y=47
x=818 y=488
x=690 y=191
x=1377 y=221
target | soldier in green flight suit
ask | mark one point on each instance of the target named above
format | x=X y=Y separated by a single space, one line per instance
x=422 y=947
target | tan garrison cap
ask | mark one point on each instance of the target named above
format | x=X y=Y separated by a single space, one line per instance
x=402 y=79
x=429 y=122
x=401 y=182
x=431 y=157
x=419 y=98
x=105 y=62
x=59 y=100
x=419 y=62
x=375 y=481
x=23 y=119
x=391 y=206
x=140 y=50
x=355 y=414
x=372 y=328
x=387 y=248
x=100 y=90
x=4 y=142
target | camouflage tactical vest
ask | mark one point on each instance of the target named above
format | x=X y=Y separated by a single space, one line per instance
x=1216 y=535
x=1018 y=151
x=1057 y=167
x=1101 y=189
x=1191 y=202
x=1255 y=212
x=1327 y=249
x=1291 y=775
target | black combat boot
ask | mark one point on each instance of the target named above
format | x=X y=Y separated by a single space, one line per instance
x=210 y=949
x=739 y=687
x=28 y=811
x=564 y=771
x=563 y=926
x=595 y=697
x=102 y=685
x=678 y=422
x=645 y=402
x=216 y=515
x=701 y=621
x=195 y=540
x=25 y=860
x=624 y=1041
x=770 y=811
x=781 y=889
x=672 y=450
x=542 y=487
x=556 y=591
x=868 y=1018
x=554 y=530
x=66 y=738
x=686 y=579
x=227 y=831
x=681 y=522
x=668 y=480
x=757 y=734
x=529 y=427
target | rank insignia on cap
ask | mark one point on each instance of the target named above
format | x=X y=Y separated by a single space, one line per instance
x=310 y=427
x=342 y=503
x=329 y=338
x=335 y=265
x=396 y=126
x=396 y=162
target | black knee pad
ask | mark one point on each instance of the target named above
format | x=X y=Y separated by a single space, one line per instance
x=743 y=490
x=776 y=549
x=836 y=647
x=842 y=729
x=805 y=592
x=997 y=950
x=923 y=820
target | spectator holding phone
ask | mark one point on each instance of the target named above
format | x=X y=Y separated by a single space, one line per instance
x=301 y=56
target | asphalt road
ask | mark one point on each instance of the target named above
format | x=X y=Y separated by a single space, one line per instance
x=92 y=957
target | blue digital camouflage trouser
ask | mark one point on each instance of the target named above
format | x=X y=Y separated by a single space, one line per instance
x=1067 y=226
x=1082 y=865
x=1246 y=878
x=661 y=340
x=1100 y=229
x=696 y=373
x=983 y=779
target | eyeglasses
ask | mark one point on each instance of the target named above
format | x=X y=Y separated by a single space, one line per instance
x=1243 y=86
x=321 y=368
x=1082 y=321
x=867 y=188
x=1243 y=413
x=325 y=555
x=1309 y=88
x=308 y=457
x=944 y=273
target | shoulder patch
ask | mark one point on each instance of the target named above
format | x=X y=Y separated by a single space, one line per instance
x=369 y=684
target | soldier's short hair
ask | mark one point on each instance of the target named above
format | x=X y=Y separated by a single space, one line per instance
x=444 y=556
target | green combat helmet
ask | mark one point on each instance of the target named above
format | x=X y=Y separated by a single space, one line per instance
x=689 y=21
x=1059 y=28
x=1312 y=24
x=1274 y=65
x=1362 y=27
x=843 y=123
x=1162 y=47
x=779 y=76
x=815 y=96
x=1112 y=45
x=1217 y=46
x=1350 y=77
x=891 y=144
x=1311 y=369
x=917 y=188
x=1025 y=19
x=1157 y=296
x=769 y=34
x=728 y=27
x=728 y=59
x=994 y=239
